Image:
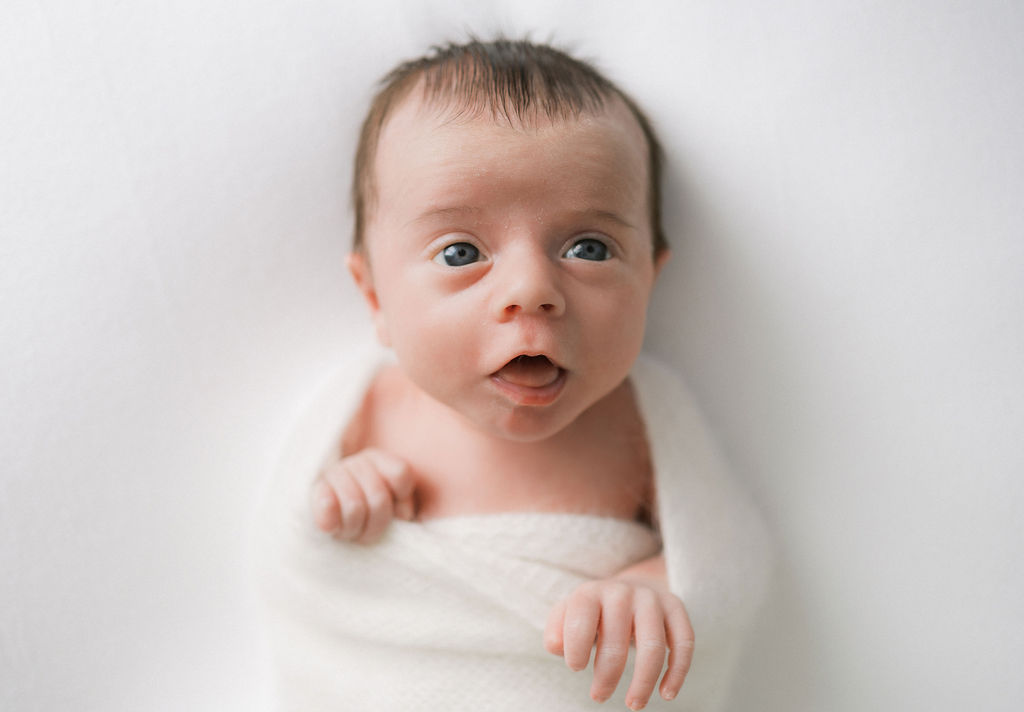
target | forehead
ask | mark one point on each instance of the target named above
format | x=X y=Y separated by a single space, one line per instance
x=433 y=154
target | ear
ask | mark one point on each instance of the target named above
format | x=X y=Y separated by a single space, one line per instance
x=660 y=260
x=359 y=267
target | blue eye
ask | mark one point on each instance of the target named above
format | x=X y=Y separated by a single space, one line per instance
x=458 y=254
x=589 y=249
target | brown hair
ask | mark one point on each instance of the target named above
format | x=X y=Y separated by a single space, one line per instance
x=511 y=78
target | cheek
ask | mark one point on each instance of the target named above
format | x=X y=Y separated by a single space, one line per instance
x=432 y=341
x=615 y=330
x=618 y=315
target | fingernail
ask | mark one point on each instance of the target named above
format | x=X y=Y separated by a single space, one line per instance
x=669 y=694
x=636 y=705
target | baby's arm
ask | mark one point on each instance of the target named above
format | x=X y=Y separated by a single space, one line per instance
x=634 y=604
x=358 y=496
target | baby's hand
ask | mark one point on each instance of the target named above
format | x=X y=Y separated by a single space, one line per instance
x=606 y=615
x=356 y=497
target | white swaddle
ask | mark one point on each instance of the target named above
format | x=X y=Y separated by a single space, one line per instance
x=448 y=614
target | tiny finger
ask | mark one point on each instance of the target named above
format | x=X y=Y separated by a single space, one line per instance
x=350 y=501
x=582 y=614
x=399 y=479
x=379 y=506
x=649 y=631
x=326 y=514
x=612 y=643
x=680 y=639
x=553 y=630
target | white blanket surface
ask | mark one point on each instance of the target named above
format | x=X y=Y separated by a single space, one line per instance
x=448 y=614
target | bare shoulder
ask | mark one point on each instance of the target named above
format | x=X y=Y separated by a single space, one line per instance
x=382 y=397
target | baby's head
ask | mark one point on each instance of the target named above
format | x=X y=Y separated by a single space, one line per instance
x=507 y=231
x=512 y=81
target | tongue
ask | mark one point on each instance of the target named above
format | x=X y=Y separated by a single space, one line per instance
x=529 y=371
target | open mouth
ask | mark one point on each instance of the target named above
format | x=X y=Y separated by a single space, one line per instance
x=531 y=380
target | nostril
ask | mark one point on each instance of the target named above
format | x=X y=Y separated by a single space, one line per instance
x=547 y=306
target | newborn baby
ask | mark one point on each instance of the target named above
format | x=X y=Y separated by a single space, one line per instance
x=507 y=241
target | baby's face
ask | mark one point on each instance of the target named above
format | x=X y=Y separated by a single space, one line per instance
x=488 y=243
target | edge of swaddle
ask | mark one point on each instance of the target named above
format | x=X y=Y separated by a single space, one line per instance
x=717 y=547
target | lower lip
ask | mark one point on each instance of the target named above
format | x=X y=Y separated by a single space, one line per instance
x=527 y=395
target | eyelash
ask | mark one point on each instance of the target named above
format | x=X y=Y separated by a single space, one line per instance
x=607 y=253
x=464 y=248
x=475 y=254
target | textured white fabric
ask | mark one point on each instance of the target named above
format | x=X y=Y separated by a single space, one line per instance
x=448 y=614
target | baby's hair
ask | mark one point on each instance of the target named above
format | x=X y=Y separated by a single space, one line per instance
x=514 y=79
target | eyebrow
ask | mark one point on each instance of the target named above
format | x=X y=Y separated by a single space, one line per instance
x=444 y=212
x=605 y=215
x=462 y=210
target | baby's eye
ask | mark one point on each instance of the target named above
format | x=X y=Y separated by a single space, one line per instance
x=458 y=254
x=588 y=249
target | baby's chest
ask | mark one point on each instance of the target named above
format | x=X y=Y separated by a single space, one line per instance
x=589 y=485
x=608 y=476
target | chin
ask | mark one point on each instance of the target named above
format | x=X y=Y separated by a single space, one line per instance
x=526 y=424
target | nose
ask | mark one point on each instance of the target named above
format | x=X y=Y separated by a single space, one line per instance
x=528 y=285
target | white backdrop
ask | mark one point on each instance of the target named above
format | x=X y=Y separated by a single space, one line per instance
x=846 y=295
